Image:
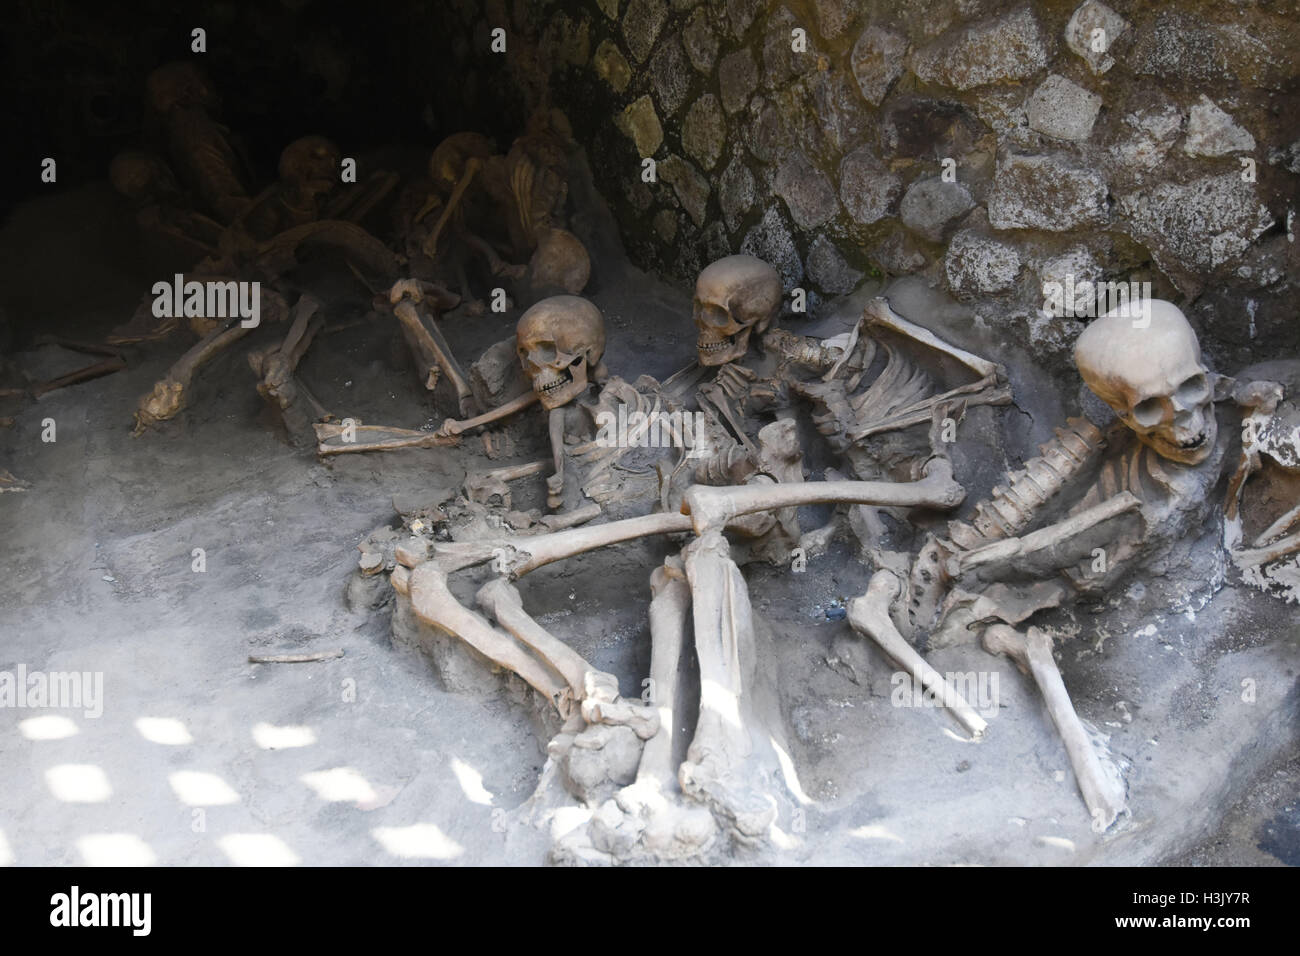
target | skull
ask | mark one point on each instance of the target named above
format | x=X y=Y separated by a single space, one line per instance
x=447 y=164
x=1151 y=374
x=734 y=296
x=181 y=84
x=560 y=341
x=140 y=175
x=311 y=164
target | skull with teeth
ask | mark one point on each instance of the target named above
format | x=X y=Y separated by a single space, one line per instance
x=310 y=165
x=734 y=297
x=560 y=342
x=1143 y=360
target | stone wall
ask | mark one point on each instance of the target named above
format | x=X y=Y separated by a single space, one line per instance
x=1084 y=142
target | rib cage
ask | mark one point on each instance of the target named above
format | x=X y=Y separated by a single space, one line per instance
x=1012 y=507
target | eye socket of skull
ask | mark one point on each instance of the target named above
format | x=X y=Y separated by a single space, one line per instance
x=1149 y=413
x=714 y=316
x=1193 y=390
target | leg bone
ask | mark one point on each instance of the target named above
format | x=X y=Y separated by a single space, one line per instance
x=869 y=615
x=1102 y=792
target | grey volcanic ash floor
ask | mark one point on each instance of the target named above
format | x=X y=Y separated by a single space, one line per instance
x=368 y=760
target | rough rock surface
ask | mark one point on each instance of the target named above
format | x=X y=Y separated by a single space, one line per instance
x=976 y=264
x=806 y=191
x=1212 y=132
x=1062 y=110
x=930 y=205
x=867 y=187
x=1203 y=224
x=877 y=61
x=1046 y=192
x=1011 y=47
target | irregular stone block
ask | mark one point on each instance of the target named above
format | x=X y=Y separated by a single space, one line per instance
x=828 y=270
x=771 y=241
x=611 y=66
x=780 y=62
x=1046 y=192
x=1212 y=132
x=977 y=265
x=1010 y=47
x=1199 y=226
x=867 y=186
x=737 y=79
x=833 y=16
x=641 y=25
x=705 y=131
x=877 y=61
x=1154 y=130
x=1092 y=31
x=931 y=205
x=670 y=76
x=736 y=192
x=806 y=191
x=1062 y=110
x=1178 y=46
x=700 y=42
x=689 y=184
x=640 y=123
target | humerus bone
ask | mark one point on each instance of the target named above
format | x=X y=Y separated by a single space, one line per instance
x=1102 y=792
x=434 y=604
x=519 y=555
x=869 y=616
x=712 y=507
x=430 y=245
x=500 y=598
x=434 y=350
x=1048 y=537
x=171 y=394
x=331 y=438
x=113 y=363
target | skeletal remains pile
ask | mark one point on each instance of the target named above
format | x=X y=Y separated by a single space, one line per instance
x=1100 y=501
x=190 y=193
x=724 y=478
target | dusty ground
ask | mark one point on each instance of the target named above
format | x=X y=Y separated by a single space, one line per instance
x=368 y=760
